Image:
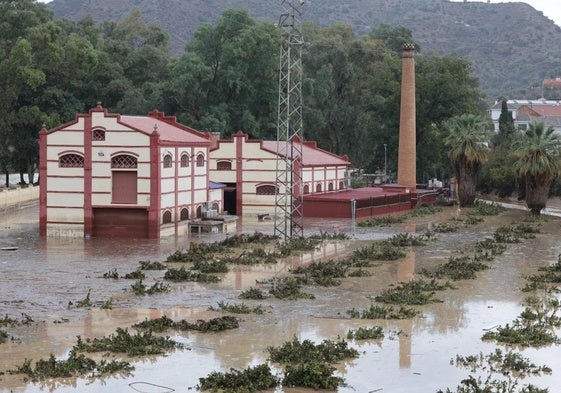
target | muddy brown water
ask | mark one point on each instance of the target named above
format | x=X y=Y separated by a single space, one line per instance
x=42 y=276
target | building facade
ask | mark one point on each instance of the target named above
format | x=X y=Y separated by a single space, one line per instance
x=107 y=174
x=248 y=168
x=526 y=112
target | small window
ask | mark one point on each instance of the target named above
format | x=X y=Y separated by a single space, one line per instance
x=306 y=189
x=166 y=218
x=341 y=185
x=184 y=163
x=200 y=160
x=167 y=161
x=184 y=215
x=318 y=187
x=215 y=206
x=223 y=165
x=71 y=161
x=98 y=135
x=124 y=161
x=330 y=186
x=266 y=189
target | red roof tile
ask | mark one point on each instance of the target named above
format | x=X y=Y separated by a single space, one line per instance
x=311 y=154
x=168 y=131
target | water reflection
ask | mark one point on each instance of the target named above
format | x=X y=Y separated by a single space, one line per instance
x=44 y=275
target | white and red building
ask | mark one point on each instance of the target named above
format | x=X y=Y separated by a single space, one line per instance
x=107 y=174
x=248 y=168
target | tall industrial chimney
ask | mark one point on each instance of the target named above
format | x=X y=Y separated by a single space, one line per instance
x=407 y=156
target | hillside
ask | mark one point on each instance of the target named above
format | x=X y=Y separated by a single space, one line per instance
x=511 y=45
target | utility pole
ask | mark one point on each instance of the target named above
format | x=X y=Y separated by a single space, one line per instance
x=289 y=214
x=385 y=162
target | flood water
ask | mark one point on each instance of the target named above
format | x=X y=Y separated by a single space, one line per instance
x=43 y=276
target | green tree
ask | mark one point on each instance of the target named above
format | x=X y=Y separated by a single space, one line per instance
x=539 y=154
x=468 y=142
x=507 y=131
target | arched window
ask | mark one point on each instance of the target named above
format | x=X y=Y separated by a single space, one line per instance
x=166 y=217
x=184 y=160
x=200 y=159
x=330 y=186
x=223 y=165
x=266 y=189
x=199 y=211
x=184 y=215
x=215 y=206
x=167 y=161
x=318 y=187
x=71 y=161
x=123 y=161
x=98 y=135
x=341 y=185
x=306 y=189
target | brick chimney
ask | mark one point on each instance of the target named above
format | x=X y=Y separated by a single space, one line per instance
x=407 y=156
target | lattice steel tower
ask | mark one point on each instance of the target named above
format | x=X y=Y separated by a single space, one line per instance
x=289 y=214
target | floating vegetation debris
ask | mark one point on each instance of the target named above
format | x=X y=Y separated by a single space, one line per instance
x=108 y=304
x=298 y=244
x=140 y=344
x=254 y=257
x=504 y=372
x=288 y=288
x=383 y=312
x=366 y=333
x=25 y=320
x=488 y=249
x=461 y=267
x=534 y=327
x=378 y=251
x=111 y=274
x=183 y=274
x=148 y=265
x=240 y=308
x=313 y=374
x=252 y=294
x=359 y=273
x=551 y=275
x=407 y=239
x=296 y=351
x=3 y=337
x=416 y=292
x=158 y=287
x=210 y=266
x=322 y=273
x=483 y=208
x=330 y=236
x=76 y=365
x=164 y=323
x=244 y=238
x=251 y=379
x=515 y=233
x=136 y=275
x=445 y=227
x=85 y=302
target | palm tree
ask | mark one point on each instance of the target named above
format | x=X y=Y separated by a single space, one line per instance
x=468 y=140
x=538 y=152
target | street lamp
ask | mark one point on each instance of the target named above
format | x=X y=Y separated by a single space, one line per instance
x=385 y=162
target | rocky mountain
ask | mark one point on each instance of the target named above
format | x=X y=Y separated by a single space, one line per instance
x=512 y=46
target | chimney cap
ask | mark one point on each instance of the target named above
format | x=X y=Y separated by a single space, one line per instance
x=408 y=46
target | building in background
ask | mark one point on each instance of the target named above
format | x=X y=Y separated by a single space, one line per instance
x=248 y=169
x=107 y=174
x=525 y=112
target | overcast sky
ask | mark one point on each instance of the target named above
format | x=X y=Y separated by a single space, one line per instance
x=550 y=8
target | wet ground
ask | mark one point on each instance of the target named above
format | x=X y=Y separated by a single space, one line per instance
x=42 y=276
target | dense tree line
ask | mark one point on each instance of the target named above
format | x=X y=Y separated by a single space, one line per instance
x=226 y=80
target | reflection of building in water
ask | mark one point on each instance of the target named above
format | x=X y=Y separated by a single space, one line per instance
x=405 y=273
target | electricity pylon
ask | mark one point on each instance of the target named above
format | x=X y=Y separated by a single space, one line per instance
x=289 y=214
